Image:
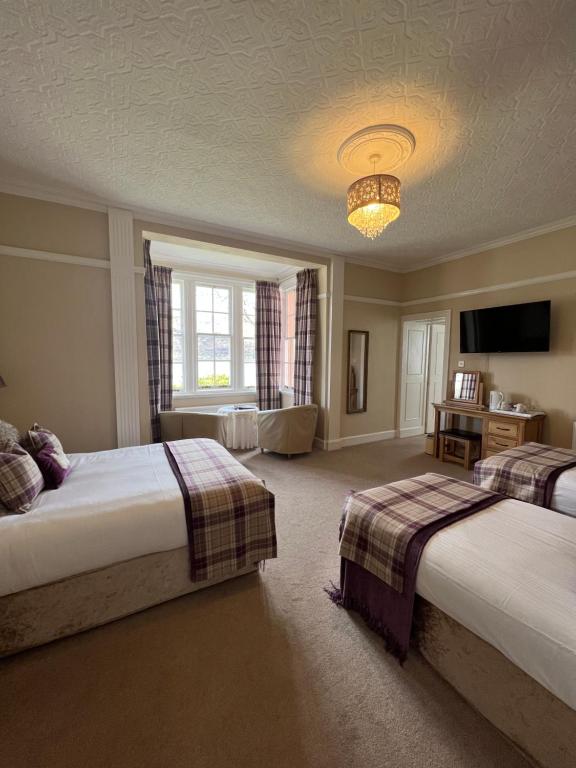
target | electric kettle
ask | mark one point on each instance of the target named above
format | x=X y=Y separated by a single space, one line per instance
x=496 y=400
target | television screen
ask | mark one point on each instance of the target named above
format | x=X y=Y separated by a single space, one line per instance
x=513 y=328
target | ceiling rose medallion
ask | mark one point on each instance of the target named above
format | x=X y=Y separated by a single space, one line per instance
x=374 y=201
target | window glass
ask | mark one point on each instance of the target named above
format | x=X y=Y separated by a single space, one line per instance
x=214 y=344
x=177 y=338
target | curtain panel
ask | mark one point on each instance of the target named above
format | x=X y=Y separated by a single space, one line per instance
x=306 y=313
x=158 y=298
x=268 y=342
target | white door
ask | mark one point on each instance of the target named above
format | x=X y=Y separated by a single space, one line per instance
x=413 y=378
x=435 y=371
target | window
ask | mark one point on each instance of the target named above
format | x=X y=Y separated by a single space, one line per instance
x=213 y=324
x=177 y=337
x=213 y=338
x=249 y=338
x=288 y=337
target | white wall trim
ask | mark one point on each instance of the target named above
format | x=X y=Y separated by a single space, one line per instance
x=334 y=350
x=370 y=300
x=490 y=288
x=525 y=234
x=410 y=431
x=557 y=277
x=62 y=258
x=121 y=234
x=350 y=440
x=95 y=203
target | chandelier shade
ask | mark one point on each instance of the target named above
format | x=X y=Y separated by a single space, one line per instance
x=373 y=203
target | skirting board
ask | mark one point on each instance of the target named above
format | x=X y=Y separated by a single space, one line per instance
x=410 y=432
x=345 y=442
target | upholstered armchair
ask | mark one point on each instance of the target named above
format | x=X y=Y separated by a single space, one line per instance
x=182 y=425
x=288 y=430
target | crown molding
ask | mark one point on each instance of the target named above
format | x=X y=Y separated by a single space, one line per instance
x=525 y=234
x=255 y=242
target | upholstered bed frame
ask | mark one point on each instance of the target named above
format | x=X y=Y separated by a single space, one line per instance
x=72 y=605
x=536 y=721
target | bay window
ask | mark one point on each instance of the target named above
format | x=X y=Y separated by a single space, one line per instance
x=213 y=335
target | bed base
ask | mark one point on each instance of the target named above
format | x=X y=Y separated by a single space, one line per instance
x=541 y=726
x=37 y=616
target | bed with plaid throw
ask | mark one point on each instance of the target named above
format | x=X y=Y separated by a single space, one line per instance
x=229 y=512
x=383 y=533
x=528 y=472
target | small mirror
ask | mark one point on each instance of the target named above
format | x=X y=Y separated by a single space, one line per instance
x=357 y=371
x=466 y=387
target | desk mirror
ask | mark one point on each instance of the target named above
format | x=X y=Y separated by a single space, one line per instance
x=357 y=371
x=466 y=388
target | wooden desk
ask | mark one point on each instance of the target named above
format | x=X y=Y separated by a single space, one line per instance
x=499 y=431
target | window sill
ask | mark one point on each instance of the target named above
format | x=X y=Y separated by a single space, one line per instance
x=228 y=393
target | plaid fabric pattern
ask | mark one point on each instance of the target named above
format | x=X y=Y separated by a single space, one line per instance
x=306 y=310
x=268 y=341
x=20 y=480
x=229 y=512
x=37 y=437
x=527 y=473
x=163 y=288
x=468 y=388
x=380 y=523
x=158 y=341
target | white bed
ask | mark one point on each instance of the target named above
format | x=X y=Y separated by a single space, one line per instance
x=115 y=506
x=508 y=574
x=564 y=496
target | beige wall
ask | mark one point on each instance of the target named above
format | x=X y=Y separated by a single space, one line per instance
x=545 y=380
x=372 y=283
x=56 y=349
x=381 y=322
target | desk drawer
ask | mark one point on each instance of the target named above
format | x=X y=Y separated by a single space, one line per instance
x=503 y=429
x=496 y=443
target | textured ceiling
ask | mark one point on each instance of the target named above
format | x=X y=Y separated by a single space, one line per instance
x=230 y=112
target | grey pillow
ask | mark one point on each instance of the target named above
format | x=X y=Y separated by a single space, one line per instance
x=8 y=436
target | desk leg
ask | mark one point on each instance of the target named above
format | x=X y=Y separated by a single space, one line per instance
x=436 y=431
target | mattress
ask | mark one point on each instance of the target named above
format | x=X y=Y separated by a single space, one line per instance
x=508 y=574
x=114 y=506
x=564 y=496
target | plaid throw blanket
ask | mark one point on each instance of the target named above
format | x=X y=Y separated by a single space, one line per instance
x=229 y=512
x=384 y=531
x=528 y=472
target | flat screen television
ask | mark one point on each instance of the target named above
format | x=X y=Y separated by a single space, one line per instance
x=513 y=328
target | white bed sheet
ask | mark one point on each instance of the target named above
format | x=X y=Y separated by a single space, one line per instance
x=564 y=496
x=114 y=506
x=508 y=574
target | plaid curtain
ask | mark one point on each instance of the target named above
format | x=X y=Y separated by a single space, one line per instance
x=268 y=341
x=306 y=306
x=157 y=290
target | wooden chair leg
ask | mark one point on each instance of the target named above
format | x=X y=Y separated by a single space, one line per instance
x=441 y=440
x=467 y=445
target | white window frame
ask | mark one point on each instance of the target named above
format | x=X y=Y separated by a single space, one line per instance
x=189 y=282
x=285 y=287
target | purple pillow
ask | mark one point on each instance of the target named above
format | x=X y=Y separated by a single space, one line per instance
x=20 y=480
x=37 y=437
x=54 y=465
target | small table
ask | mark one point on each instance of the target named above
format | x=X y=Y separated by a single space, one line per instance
x=241 y=426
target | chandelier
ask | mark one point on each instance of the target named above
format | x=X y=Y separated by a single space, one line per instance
x=374 y=201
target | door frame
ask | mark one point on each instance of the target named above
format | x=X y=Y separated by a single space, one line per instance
x=444 y=315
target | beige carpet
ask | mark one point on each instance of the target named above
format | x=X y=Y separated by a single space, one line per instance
x=261 y=671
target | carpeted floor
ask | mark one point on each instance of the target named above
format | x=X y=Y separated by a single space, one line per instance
x=261 y=671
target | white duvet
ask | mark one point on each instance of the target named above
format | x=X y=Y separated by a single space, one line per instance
x=508 y=574
x=114 y=506
x=564 y=496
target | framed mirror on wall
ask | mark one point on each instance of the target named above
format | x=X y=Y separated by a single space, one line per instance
x=357 y=371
